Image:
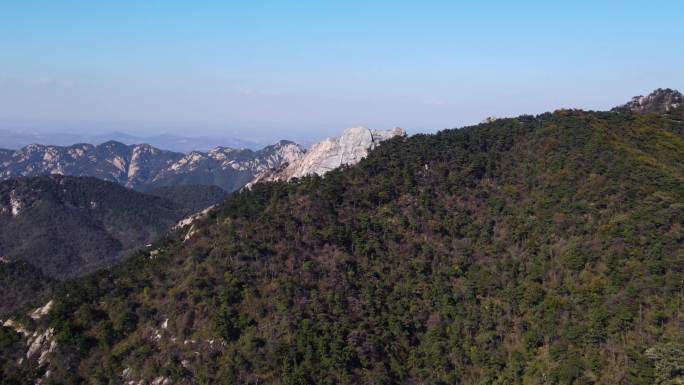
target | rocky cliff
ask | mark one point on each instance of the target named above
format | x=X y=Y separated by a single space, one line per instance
x=659 y=101
x=349 y=148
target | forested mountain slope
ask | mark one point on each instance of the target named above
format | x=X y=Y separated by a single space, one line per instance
x=57 y=227
x=22 y=284
x=534 y=250
x=69 y=225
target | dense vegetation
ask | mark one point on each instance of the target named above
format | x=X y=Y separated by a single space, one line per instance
x=22 y=284
x=69 y=226
x=66 y=225
x=535 y=250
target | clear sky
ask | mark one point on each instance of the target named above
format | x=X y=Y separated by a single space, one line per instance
x=308 y=69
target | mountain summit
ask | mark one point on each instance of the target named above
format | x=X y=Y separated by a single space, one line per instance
x=331 y=153
x=353 y=145
x=659 y=101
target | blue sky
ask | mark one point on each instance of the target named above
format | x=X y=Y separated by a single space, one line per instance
x=307 y=69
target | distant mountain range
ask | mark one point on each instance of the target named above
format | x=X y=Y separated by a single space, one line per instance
x=144 y=167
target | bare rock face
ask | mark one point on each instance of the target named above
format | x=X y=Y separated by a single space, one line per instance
x=660 y=101
x=331 y=153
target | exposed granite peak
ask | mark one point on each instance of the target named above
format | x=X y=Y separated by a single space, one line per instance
x=353 y=145
x=659 y=101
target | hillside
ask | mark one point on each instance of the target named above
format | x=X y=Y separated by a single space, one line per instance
x=533 y=250
x=22 y=284
x=55 y=227
x=70 y=225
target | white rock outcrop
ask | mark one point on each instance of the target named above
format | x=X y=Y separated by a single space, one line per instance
x=659 y=101
x=17 y=327
x=42 y=311
x=192 y=218
x=162 y=381
x=41 y=343
x=15 y=204
x=331 y=153
x=38 y=344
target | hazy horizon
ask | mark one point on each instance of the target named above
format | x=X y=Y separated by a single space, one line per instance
x=304 y=71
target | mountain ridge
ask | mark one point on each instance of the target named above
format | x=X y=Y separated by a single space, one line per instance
x=144 y=167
